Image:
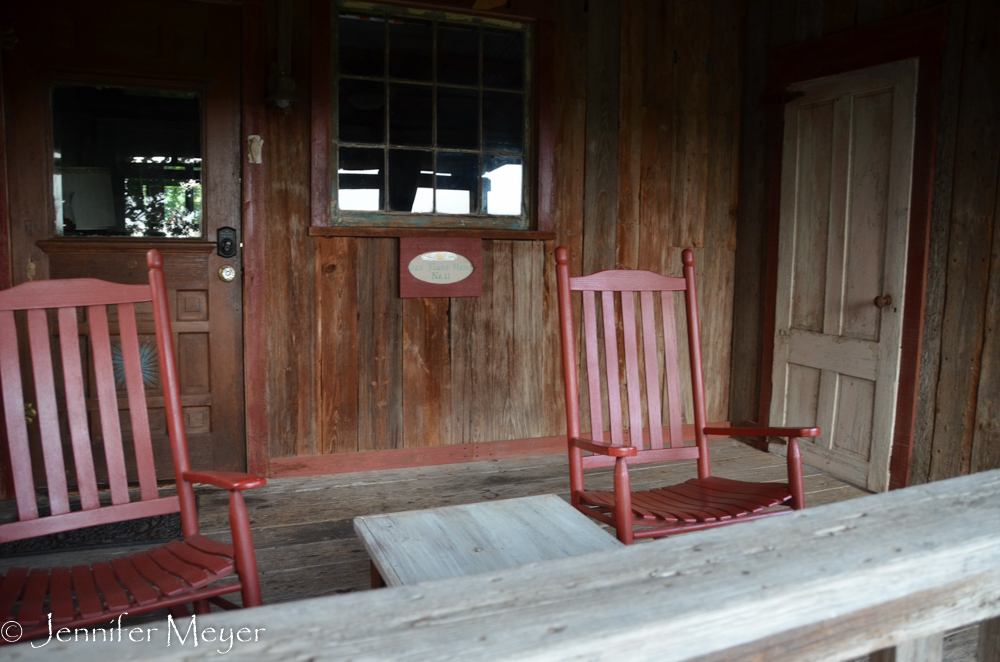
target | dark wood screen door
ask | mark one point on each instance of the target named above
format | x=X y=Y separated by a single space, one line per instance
x=123 y=134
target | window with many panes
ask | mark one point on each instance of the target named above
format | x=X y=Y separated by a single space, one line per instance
x=431 y=119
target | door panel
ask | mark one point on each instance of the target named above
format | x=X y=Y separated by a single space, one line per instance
x=845 y=190
x=176 y=47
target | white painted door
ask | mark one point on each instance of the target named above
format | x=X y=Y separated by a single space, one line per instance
x=845 y=194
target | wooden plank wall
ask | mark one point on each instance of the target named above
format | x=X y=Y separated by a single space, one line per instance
x=647 y=124
x=958 y=418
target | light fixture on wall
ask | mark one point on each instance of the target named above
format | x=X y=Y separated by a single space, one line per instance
x=280 y=88
x=280 y=85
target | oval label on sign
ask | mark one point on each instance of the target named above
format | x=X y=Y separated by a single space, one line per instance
x=441 y=267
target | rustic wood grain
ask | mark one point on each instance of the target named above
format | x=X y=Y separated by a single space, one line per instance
x=380 y=357
x=601 y=165
x=426 y=373
x=630 y=134
x=469 y=352
x=973 y=206
x=986 y=437
x=751 y=226
x=337 y=306
x=989 y=640
x=454 y=541
x=529 y=392
x=495 y=398
x=937 y=260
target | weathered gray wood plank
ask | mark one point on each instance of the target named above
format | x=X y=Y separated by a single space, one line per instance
x=454 y=541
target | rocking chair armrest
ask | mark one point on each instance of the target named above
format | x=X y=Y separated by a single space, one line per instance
x=227 y=480
x=765 y=432
x=603 y=447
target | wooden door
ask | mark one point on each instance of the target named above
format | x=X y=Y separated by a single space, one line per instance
x=845 y=193
x=157 y=50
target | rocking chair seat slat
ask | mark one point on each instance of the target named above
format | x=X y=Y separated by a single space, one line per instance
x=211 y=546
x=87 y=597
x=61 y=595
x=141 y=591
x=697 y=501
x=157 y=576
x=33 y=600
x=193 y=575
x=688 y=494
x=707 y=512
x=773 y=490
x=196 y=557
x=745 y=503
x=114 y=596
x=10 y=589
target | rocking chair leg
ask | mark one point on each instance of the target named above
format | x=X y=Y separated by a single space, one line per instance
x=202 y=607
x=795 y=483
x=623 y=502
x=246 y=562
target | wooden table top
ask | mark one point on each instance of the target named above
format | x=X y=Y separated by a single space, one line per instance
x=439 y=543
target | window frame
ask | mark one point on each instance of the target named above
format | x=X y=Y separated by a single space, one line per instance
x=536 y=156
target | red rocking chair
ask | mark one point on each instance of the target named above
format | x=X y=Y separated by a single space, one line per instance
x=699 y=503
x=182 y=571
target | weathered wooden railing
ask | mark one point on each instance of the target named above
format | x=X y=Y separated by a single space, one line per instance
x=830 y=583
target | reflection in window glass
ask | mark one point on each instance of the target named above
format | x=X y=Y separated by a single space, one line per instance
x=361 y=179
x=362 y=111
x=503 y=59
x=458 y=118
x=127 y=162
x=458 y=55
x=503 y=121
x=362 y=45
x=410 y=115
x=457 y=181
x=502 y=185
x=411 y=184
x=411 y=46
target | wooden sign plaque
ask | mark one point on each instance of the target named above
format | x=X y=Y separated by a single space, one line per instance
x=447 y=267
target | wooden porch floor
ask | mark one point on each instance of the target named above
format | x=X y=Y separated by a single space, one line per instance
x=303 y=530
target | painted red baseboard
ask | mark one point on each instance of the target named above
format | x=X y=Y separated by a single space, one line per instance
x=315 y=465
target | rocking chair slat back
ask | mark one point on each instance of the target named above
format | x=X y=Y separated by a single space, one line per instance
x=76 y=409
x=593 y=367
x=48 y=417
x=111 y=430
x=611 y=366
x=672 y=369
x=632 y=365
x=71 y=396
x=652 y=376
x=605 y=380
x=135 y=384
x=17 y=427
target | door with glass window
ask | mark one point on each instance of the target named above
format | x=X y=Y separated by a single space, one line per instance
x=123 y=134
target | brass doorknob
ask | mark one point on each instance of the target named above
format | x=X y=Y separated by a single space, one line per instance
x=883 y=301
x=227 y=273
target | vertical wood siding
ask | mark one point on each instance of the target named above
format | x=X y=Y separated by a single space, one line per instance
x=958 y=409
x=647 y=119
